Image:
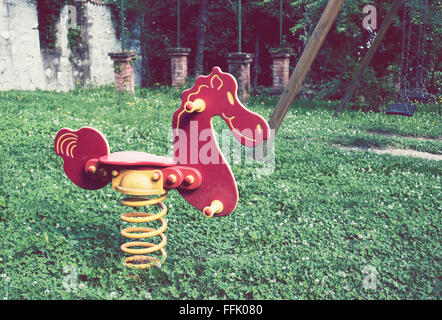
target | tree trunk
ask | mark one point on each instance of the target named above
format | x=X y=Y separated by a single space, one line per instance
x=432 y=84
x=144 y=46
x=203 y=20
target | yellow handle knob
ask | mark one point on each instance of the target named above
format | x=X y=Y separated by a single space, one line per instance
x=215 y=207
x=195 y=106
x=115 y=173
x=189 y=179
x=171 y=179
x=91 y=170
x=156 y=176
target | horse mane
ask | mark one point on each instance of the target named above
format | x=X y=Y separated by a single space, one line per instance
x=217 y=80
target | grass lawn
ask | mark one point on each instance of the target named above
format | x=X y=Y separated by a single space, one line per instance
x=326 y=224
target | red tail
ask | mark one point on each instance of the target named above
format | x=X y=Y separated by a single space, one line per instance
x=76 y=148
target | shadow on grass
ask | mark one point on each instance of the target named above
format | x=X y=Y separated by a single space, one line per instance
x=362 y=143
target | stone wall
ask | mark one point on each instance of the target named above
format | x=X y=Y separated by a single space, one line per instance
x=24 y=66
x=21 y=65
x=101 y=40
x=58 y=69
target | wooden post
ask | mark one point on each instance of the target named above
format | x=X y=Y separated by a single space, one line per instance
x=305 y=62
x=349 y=92
x=302 y=67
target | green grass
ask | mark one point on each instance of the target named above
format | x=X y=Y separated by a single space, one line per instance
x=307 y=231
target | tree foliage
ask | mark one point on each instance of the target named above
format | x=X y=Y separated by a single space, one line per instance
x=48 y=16
x=154 y=23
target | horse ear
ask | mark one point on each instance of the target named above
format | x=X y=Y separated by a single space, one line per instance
x=216 y=70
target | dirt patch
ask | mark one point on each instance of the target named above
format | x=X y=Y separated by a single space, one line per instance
x=395 y=152
x=393 y=135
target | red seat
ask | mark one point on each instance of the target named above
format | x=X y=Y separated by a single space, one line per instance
x=136 y=158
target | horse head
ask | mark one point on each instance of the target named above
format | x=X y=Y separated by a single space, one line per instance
x=196 y=146
x=216 y=95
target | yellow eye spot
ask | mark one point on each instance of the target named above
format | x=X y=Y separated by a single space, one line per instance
x=259 y=128
x=230 y=98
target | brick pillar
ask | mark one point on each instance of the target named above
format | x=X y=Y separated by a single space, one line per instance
x=178 y=63
x=124 y=70
x=239 y=67
x=280 y=70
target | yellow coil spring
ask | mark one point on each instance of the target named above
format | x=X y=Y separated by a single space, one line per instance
x=141 y=260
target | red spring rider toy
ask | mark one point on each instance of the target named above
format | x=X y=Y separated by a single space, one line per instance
x=198 y=170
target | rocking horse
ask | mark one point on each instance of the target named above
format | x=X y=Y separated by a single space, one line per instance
x=198 y=170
